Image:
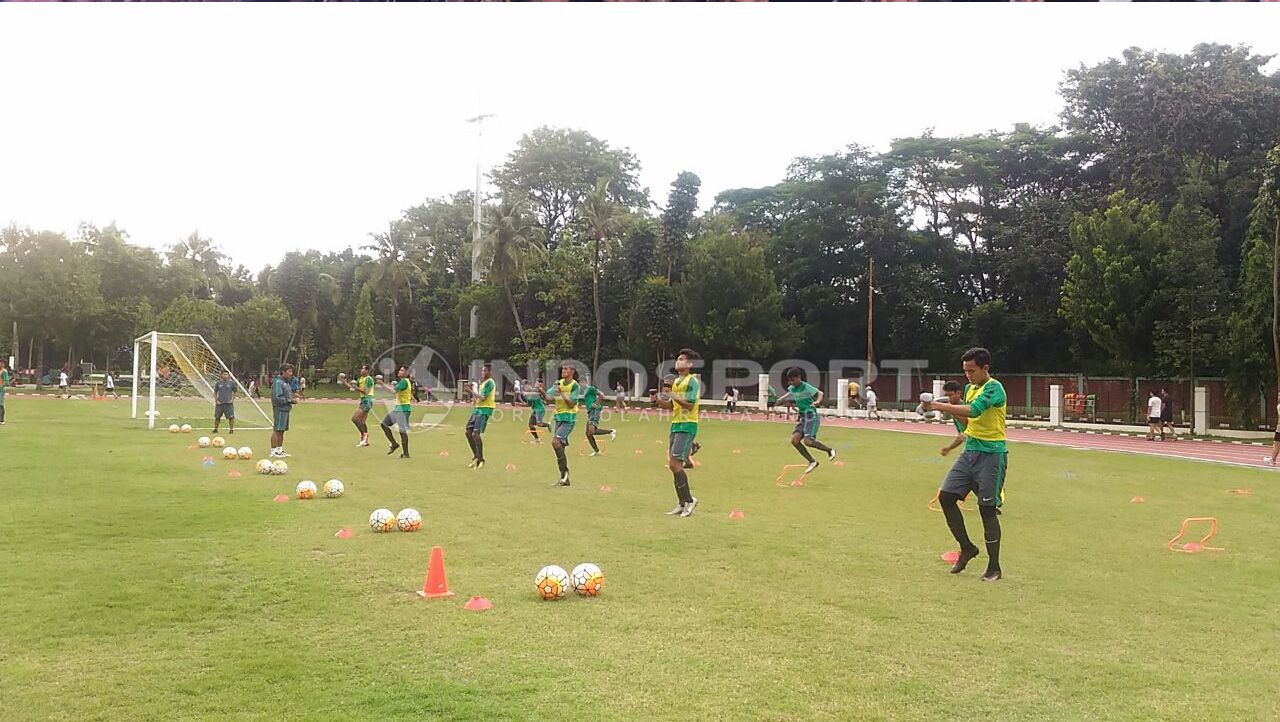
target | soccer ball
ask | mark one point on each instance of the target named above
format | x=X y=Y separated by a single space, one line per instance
x=264 y=466
x=382 y=520
x=174 y=428
x=587 y=579
x=246 y=453
x=203 y=442
x=306 y=490
x=279 y=468
x=219 y=442
x=551 y=582
x=333 y=488
x=408 y=520
x=186 y=428
x=229 y=452
x=926 y=398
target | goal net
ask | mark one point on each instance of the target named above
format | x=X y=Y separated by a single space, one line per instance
x=173 y=377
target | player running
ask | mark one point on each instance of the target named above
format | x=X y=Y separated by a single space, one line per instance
x=533 y=396
x=399 y=414
x=982 y=465
x=479 y=421
x=684 y=401
x=364 y=387
x=566 y=394
x=807 y=398
x=594 y=401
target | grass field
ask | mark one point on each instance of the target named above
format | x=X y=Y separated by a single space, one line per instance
x=138 y=585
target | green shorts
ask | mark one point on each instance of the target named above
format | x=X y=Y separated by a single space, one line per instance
x=593 y=417
x=281 y=420
x=366 y=404
x=680 y=444
x=478 y=422
x=535 y=416
x=980 y=472
x=563 y=429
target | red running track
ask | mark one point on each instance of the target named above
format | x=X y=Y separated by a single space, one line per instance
x=1242 y=454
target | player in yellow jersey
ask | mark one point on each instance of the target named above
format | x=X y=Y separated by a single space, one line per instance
x=399 y=414
x=981 y=467
x=683 y=402
x=565 y=393
x=479 y=421
x=364 y=387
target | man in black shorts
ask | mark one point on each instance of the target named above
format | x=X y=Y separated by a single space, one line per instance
x=981 y=467
x=224 y=395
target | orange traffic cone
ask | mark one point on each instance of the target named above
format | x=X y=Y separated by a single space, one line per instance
x=435 y=585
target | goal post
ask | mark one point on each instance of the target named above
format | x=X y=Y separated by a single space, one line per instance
x=177 y=373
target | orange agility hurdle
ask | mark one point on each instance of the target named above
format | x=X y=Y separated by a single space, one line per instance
x=798 y=481
x=1193 y=547
x=933 y=504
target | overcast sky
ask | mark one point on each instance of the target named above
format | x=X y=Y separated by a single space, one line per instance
x=278 y=127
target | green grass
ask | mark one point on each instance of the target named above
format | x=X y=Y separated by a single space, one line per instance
x=138 y=585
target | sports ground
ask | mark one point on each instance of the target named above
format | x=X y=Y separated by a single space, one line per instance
x=139 y=584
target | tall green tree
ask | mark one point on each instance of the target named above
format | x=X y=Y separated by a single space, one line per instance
x=362 y=344
x=555 y=169
x=682 y=204
x=1161 y=119
x=1109 y=297
x=391 y=273
x=1192 y=293
x=654 y=315
x=601 y=218
x=510 y=242
x=204 y=262
x=732 y=305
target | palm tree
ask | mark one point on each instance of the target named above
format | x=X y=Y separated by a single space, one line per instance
x=505 y=249
x=203 y=258
x=391 y=273
x=601 y=216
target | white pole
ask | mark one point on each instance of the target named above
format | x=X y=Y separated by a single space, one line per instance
x=1056 y=404
x=135 y=379
x=151 y=392
x=762 y=382
x=1200 y=422
x=476 y=274
x=842 y=397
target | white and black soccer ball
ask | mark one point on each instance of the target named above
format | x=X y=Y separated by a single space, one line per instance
x=279 y=467
x=551 y=582
x=587 y=579
x=203 y=442
x=408 y=520
x=333 y=489
x=230 y=453
x=382 y=520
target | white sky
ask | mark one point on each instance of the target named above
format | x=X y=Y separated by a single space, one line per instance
x=278 y=127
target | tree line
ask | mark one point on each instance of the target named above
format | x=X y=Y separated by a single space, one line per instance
x=1138 y=236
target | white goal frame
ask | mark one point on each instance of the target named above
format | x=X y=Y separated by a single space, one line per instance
x=157 y=341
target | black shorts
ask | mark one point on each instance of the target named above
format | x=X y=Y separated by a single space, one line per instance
x=1153 y=420
x=221 y=410
x=980 y=472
